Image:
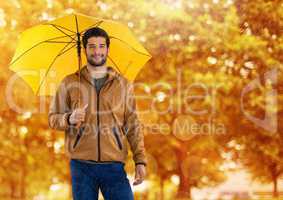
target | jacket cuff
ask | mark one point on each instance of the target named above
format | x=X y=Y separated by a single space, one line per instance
x=66 y=118
x=140 y=159
x=140 y=163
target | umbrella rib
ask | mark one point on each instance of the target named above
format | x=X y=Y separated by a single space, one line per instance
x=36 y=46
x=128 y=66
x=114 y=64
x=129 y=46
x=49 y=67
x=58 y=26
x=67 y=50
x=59 y=42
x=59 y=37
x=92 y=26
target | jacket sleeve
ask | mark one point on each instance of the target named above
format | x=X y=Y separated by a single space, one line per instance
x=133 y=128
x=59 y=110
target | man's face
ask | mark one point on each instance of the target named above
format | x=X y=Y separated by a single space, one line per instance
x=96 y=51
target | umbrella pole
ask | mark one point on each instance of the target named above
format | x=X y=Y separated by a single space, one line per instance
x=79 y=57
x=79 y=64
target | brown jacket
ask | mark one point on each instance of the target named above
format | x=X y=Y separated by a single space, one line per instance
x=111 y=118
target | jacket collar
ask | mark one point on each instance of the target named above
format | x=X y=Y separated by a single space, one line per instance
x=112 y=74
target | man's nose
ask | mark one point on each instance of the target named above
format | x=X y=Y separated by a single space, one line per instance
x=96 y=51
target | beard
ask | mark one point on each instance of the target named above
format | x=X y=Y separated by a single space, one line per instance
x=91 y=61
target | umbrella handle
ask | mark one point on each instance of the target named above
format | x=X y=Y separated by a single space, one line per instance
x=78 y=125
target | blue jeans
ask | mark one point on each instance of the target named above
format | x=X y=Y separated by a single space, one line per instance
x=110 y=178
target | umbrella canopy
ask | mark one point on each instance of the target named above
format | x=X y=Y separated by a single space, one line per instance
x=46 y=53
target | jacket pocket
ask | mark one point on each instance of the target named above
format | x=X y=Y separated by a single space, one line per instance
x=79 y=136
x=114 y=131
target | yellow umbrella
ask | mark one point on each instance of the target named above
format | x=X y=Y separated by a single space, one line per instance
x=46 y=53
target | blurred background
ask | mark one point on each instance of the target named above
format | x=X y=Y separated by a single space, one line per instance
x=210 y=100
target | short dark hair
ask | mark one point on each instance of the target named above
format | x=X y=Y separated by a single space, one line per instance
x=95 y=32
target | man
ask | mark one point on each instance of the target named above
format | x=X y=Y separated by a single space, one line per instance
x=96 y=109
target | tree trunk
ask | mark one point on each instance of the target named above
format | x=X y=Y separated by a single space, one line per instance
x=12 y=190
x=275 y=189
x=24 y=171
x=184 y=189
x=23 y=184
x=161 y=188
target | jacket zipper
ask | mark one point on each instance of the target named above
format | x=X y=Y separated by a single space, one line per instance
x=81 y=129
x=117 y=138
x=98 y=129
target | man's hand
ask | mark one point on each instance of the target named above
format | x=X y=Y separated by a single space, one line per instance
x=140 y=174
x=78 y=116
